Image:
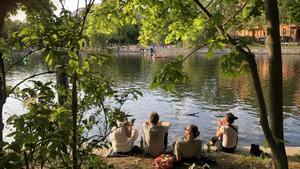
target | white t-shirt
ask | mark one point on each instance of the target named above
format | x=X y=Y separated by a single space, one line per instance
x=120 y=142
x=229 y=136
x=154 y=139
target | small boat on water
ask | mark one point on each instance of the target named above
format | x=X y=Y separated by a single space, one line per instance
x=159 y=56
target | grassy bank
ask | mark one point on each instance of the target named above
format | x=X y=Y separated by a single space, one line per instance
x=223 y=161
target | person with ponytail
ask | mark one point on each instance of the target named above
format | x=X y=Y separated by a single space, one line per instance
x=226 y=138
x=190 y=148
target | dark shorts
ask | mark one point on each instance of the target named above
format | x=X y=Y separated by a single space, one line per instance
x=228 y=150
x=224 y=149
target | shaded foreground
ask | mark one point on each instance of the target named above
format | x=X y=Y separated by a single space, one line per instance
x=224 y=161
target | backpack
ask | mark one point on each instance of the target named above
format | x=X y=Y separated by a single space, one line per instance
x=255 y=150
x=164 y=161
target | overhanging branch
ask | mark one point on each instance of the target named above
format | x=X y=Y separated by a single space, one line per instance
x=32 y=76
x=252 y=64
x=198 y=47
x=244 y=5
x=209 y=3
x=20 y=60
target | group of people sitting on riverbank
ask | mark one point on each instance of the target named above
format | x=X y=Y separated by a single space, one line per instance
x=156 y=138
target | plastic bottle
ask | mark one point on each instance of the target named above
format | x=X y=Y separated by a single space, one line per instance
x=208 y=147
x=142 y=143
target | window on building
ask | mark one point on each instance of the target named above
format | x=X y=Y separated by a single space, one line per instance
x=264 y=33
x=283 y=32
x=292 y=31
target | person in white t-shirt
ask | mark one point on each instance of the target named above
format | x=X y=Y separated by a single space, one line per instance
x=156 y=133
x=123 y=136
x=226 y=138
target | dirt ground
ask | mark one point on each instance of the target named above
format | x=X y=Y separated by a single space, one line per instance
x=223 y=161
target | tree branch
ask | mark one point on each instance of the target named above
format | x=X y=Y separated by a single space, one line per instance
x=88 y=8
x=20 y=60
x=77 y=8
x=255 y=77
x=62 y=5
x=198 y=47
x=32 y=76
x=209 y=3
x=244 y=5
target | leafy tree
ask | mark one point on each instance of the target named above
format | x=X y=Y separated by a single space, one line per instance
x=126 y=34
x=207 y=23
x=6 y=6
x=9 y=32
x=62 y=38
x=289 y=11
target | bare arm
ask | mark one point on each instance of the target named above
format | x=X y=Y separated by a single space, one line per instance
x=128 y=129
x=177 y=151
x=218 y=132
x=164 y=123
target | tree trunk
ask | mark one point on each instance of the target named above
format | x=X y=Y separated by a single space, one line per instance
x=2 y=96
x=274 y=131
x=74 y=119
x=2 y=76
x=2 y=15
x=275 y=83
x=61 y=83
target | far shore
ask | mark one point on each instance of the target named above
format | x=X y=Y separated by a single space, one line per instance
x=171 y=51
x=163 y=51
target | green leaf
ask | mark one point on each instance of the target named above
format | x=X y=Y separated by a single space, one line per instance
x=169 y=76
x=73 y=64
x=3 y=144
x=210 y=53
x=233 y=64
x=49 y=57
x=11 y=134
x=16 y=146
x=265 y=144
x=217 y=18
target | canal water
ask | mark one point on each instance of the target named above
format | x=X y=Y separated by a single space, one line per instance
x=202 y=101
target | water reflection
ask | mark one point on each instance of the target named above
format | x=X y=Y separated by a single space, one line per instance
x=207 y=96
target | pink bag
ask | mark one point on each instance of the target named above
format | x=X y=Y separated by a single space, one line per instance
x=164 y=161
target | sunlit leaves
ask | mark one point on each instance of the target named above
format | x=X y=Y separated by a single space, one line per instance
x=234 y=63
x=214 y=45
x=253 y=9
x=289 y=11
x=106 y=18
x=169 y=76
x=43 y=131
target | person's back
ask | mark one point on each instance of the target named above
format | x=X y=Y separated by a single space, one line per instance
x=155 y=138
x=226 y=138
x=229 y=139
x=190 y=148
x=155 y=133
x=122 y=138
